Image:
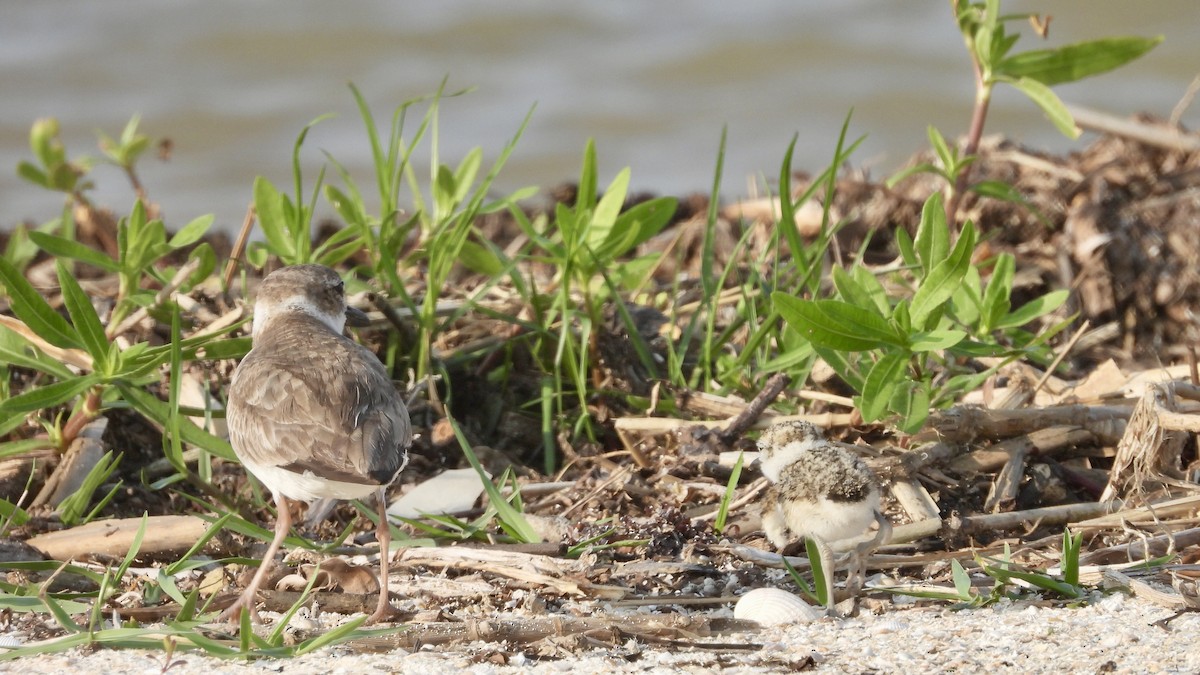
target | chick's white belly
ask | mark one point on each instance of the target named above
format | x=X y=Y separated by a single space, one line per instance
x=830 y=520
x=306 y=486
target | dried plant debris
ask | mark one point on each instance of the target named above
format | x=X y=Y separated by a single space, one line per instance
x=645 y=529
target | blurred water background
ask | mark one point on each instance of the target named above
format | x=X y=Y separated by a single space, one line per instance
x=232 y=82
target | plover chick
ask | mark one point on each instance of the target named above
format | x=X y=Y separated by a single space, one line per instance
x=818 y=490
x=313 y=414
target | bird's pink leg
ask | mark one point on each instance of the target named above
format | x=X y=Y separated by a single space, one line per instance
x=282 y=524
x=384 y=535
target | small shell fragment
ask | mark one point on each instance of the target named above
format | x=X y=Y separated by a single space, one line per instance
x=774 y=607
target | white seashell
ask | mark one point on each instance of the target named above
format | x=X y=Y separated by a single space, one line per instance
x=291 y=582
x=452 y=491
x=888 y=626
x=303 y=623
x=11 y=642
x=774 y=607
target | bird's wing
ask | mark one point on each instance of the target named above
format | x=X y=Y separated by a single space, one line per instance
x=333 y=413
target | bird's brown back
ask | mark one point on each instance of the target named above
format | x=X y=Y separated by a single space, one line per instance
x=308 y=399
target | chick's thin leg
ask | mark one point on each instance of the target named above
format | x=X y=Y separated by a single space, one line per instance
x=857 y=572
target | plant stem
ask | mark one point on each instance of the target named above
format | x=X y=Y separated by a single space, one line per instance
x=84 y=414
x=983 y=98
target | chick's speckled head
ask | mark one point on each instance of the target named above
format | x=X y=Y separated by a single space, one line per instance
x=784 y=443
x=315 y=290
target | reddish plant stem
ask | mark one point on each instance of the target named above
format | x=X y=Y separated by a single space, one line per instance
x=84 y=414
x=983 y=97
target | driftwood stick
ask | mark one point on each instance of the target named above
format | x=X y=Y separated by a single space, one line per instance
x=662 y=425
x=1008 y=482
x=1142 y=549
x=526 y=630
x=930 y=453
x=1150 y=134
x=164 y=535
x=1050 y=515
x=747 y=417
x=915 y=530
x=1176 y=421
x=1154 y=512
x=72 y=357
x=966 y=423
x=915 y=500
x=539 y=570
x=1043 y=442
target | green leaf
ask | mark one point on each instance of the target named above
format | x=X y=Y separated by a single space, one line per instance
x=444 y=189
x=268 y=204
x=1039 y=580
x=643 y=221
x=730 y=489
x=908 y=251
x=342 y=632
x=467 y=170
x=191 y=232
x=962 y=581
x=16 y=350
x=49 y=395
x=11 y=513
x=34 y=175
x=935 y=340
x=349 y=209
x=933 y=235
x=835 y=324
x=1034 y=309
x=158 y=411
x=947 y=155
x=604 y=218
x=1070 y=556
x=1074 y=62
x=208 y=262
x=848 y=287
x=44 y=142
x=845 y=364
x=966 y=300
x=481 y=259
x=66 y=248
x=943 y=279
x=923 y=167
x=1050 y=104
x=998 y=190
x=818 y=571
x=995 y=300
x=585 y=195
x=912 y=403
x=30 y=307
x=881 y=383
x=513 y=519
x=86 y=321
x=875 y=290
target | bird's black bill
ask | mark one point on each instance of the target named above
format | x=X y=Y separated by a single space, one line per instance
x=356 y=317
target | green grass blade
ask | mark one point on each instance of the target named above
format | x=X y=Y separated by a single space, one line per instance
x=30 y=307
x=730 y=489
x=818 y=570
x=521 y=528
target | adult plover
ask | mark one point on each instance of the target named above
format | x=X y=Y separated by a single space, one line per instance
x=312 y=413
x=819 y=490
